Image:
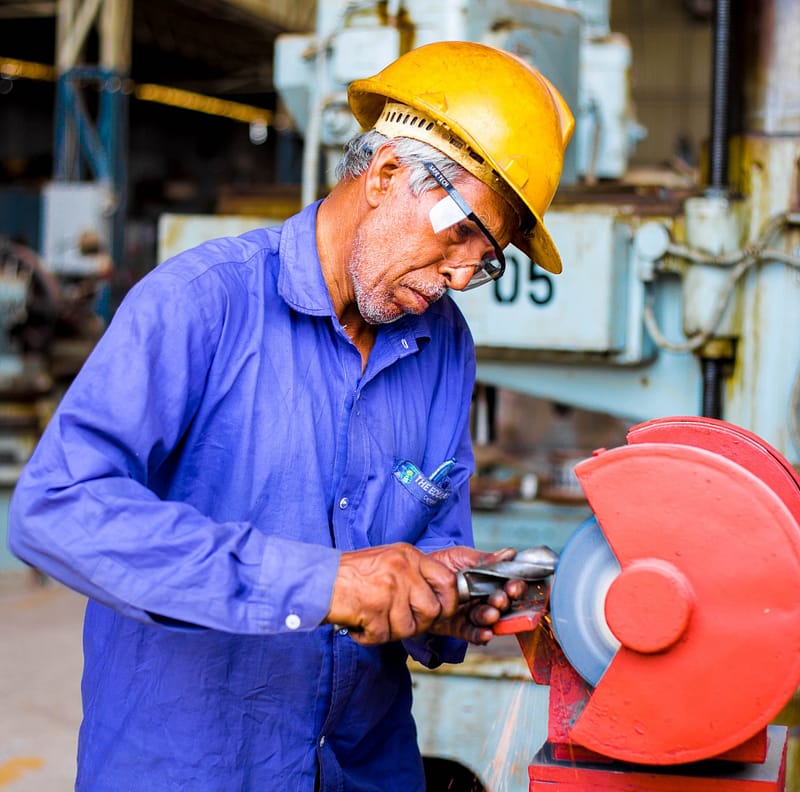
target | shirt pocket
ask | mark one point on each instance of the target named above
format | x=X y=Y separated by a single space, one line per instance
x=410 y=501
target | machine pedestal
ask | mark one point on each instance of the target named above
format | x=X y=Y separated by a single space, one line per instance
x=547 y=773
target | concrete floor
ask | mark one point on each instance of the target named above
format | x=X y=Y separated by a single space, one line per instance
x=40 y=671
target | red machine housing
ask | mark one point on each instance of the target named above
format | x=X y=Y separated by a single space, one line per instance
x=704 y=519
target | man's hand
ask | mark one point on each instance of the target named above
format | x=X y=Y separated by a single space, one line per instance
x=472 y=621
x=392 y=592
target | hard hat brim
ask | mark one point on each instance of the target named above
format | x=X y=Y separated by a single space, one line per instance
x=540 y=248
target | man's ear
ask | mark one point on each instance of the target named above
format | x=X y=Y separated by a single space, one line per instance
x=380 y=175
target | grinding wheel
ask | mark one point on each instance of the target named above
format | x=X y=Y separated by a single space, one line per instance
x=585 y=570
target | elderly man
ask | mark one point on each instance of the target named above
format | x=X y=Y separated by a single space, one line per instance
x=260 y=476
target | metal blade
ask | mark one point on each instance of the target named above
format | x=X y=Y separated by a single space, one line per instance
x=585 y=570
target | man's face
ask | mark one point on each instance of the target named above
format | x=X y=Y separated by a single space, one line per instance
x=400 y=265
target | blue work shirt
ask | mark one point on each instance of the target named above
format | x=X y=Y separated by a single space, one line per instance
x=217 y=452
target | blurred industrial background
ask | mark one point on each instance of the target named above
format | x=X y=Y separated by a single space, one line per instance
x=130 y=129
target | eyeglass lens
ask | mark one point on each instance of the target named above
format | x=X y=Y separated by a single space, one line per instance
x=454 y=209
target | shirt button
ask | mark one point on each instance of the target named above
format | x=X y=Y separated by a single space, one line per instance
x=292 y=621
x=322 y=741
x=343 y=631
x=344 y=503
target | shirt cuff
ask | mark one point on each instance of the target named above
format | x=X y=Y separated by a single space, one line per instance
x=296 y=584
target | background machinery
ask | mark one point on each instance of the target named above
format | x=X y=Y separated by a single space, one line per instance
x=672 y=302
x=675 y=300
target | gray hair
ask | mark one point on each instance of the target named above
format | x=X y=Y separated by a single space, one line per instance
x=359 y=151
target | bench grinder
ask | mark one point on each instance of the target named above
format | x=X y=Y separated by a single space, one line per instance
x=669 y=632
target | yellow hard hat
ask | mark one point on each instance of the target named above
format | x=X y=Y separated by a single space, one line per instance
x=488 y=110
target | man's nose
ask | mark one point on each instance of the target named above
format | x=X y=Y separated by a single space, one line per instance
x=457 y=275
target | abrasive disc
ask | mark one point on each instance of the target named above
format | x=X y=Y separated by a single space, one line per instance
x=585 y=570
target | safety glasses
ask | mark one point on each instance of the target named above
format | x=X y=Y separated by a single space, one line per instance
x=454 y=209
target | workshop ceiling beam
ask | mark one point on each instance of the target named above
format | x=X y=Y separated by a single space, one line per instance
x=291 y=15
x=28 y=8
x=113 y=19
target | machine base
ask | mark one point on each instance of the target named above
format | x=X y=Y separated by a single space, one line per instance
x=546 y=773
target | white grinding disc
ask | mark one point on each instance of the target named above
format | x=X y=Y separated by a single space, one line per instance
x=586 y=568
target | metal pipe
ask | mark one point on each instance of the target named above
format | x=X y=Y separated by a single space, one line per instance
x=712 y=387
x=718 y=151
x=717 y=176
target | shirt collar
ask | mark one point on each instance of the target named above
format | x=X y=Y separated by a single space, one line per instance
x=302 y=286
x=300 y=280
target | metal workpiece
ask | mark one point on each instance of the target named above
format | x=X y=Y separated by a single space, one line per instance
x=531 y=565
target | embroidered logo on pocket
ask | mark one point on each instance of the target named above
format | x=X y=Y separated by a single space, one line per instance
x=420 y=486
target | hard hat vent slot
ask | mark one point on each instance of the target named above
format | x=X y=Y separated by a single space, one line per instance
x=408 y=119
x=398 y=120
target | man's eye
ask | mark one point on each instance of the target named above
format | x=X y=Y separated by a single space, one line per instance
x=463 y=231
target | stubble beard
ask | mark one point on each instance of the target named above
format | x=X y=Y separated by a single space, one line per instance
x=375 y=303
x=375 y=308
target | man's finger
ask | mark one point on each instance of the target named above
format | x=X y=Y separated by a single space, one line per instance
x=443 y=583
x=476 y=635
x=499 y=599
x=484 y=615
x=506 y=554
x=516 y=588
